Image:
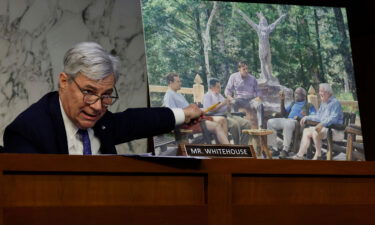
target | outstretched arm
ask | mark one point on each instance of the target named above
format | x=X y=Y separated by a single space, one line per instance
x=273 y=25
x=192 y=112
x=138 y=123
x=248 y=20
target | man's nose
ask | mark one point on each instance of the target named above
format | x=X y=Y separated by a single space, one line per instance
x=97 y=106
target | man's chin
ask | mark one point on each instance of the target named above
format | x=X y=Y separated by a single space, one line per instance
x=87 y=124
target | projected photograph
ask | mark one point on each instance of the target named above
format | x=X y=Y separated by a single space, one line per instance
x=278 y=77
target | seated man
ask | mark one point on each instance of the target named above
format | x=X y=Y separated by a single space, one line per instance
x=76 y=120
x=242 y=89
x=330 y=112
x=235 y=123
x=172 y=100
x=299 y=108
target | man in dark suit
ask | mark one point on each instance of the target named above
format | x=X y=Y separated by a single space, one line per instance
x=75 y=120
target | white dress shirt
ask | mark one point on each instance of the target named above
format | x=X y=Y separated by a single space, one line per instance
x=75 y=146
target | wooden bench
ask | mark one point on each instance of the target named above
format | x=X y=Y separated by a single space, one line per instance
x=353 y=131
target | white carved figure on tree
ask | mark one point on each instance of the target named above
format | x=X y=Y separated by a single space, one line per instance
x=264 y=30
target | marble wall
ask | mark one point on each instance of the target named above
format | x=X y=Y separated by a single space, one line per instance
x=35 y=34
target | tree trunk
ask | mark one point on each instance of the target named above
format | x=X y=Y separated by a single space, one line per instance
x=207 y=41
x=224 y=67
x=255 y=59
x=314 y=65
x=299 y=52
x=312 y=58
x=345 y=53
x=319 y=48
x=199 y=37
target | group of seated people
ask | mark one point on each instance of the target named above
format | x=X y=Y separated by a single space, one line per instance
x=172 y=99
x=299 y=111
x=242 y=92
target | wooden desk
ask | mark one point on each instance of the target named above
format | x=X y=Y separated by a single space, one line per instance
x=61 y=189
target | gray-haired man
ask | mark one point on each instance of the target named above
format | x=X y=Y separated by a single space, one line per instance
x=330 y=112
x=76 y=120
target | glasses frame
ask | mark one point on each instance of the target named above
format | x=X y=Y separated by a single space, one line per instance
x=101 y=97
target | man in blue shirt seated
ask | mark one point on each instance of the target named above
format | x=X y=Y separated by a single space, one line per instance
x=330 y=112
x=299 y=108
x=175 y=100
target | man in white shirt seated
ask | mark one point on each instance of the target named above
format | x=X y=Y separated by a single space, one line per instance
x=235 y=123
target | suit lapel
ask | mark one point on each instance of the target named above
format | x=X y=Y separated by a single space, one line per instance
x=102 y=130
x=58 y=124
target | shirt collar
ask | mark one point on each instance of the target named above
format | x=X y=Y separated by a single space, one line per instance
x=243 y=78
x=170 y=89
x=330 y=99
x=70 y=128
x=213 y=93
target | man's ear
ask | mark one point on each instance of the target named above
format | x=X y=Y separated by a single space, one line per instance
x=63 y=80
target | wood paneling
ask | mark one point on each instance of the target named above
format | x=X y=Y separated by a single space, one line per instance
x=295 y=190
x=139 y=215
x=304 y=214
x=94 y=190
x=61 y=189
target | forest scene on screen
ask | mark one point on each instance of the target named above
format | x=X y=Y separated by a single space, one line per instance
x=290 y=50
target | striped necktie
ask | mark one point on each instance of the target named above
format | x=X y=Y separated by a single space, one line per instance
x=85 y=141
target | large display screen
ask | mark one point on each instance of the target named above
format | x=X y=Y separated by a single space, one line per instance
x=252 y=57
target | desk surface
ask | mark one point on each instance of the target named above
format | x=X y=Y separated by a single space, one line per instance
x=63 y=163
x=114 y=189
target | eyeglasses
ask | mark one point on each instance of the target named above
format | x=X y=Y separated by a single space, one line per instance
x=91 y=98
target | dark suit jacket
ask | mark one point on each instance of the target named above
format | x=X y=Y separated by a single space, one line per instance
x=40 y=128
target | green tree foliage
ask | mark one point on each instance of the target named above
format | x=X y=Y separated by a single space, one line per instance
x=310 y=46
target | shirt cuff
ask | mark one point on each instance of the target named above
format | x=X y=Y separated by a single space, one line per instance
x=179 y=116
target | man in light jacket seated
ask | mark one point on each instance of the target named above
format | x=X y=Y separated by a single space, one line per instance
x=330 y=112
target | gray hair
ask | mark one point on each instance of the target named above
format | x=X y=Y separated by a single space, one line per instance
x=326 y=87
x=90 y=59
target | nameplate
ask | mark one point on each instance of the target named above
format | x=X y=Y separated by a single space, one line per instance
x=237 y=151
